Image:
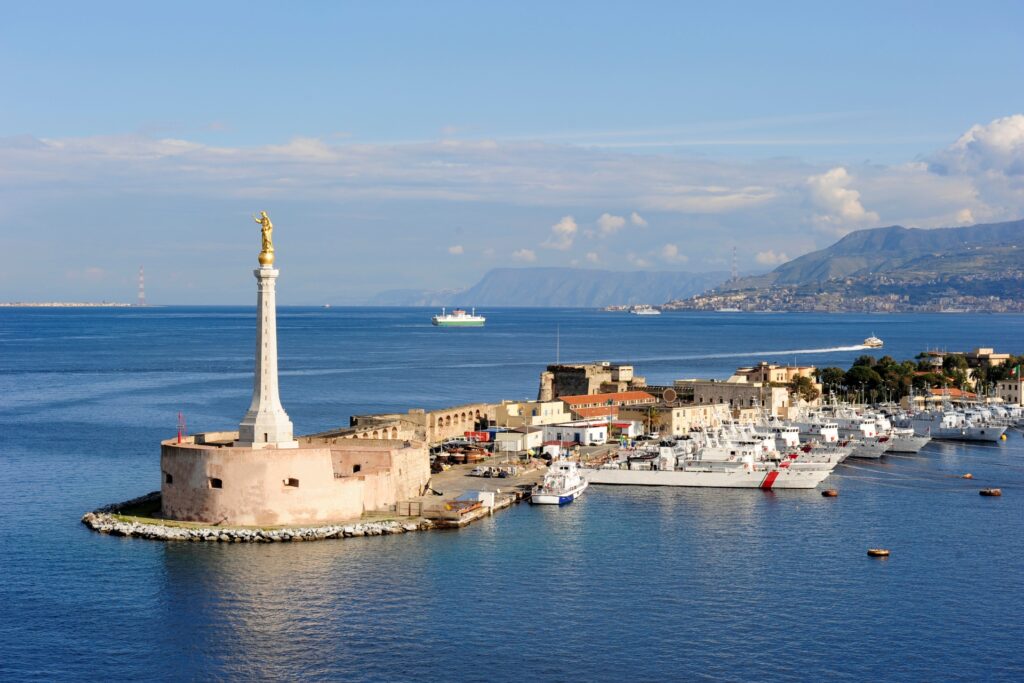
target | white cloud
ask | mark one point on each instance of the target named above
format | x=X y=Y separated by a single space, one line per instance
x=456 y=249
x=637 y=261
x=770 y=258
x=996 y=147
x=965 y=217
x=840 y=209
x=524 y=255
x=637 y=220
x=669 y=253
x=593 y=257
x=608 y=224
x=563 y=233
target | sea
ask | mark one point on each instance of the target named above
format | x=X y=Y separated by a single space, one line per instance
x=625 y=584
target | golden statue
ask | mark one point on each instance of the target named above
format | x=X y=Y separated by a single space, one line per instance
x=267 y=254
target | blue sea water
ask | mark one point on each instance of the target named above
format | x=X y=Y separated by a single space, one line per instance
x=624 y=584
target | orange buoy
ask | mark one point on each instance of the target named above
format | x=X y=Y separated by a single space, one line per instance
x=991 y=492
x=968 y=476
x=878 y=552
x=830 y=493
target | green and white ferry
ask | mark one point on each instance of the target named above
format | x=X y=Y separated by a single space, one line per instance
x=458 y=318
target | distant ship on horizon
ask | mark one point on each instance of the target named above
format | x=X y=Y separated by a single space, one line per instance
x=458 y=318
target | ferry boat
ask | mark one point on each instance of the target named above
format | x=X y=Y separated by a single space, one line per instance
x=873 y=342
x=644 y=310
x=458 y=318
x=562 y=484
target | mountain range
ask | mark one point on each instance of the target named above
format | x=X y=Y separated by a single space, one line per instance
x=560 y=287
x=902 y=253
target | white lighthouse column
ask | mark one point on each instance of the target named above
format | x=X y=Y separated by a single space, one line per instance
x=266 y=424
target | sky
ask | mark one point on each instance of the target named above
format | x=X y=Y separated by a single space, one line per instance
x=417 y=145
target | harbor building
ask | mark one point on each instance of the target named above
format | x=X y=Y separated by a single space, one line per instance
x=431 y=426
x=587 y=378
x=605 y=405
x=262 y=474
x=519 y=439
x=777 y=374
x=667 y=419
x=514 y=414
x=1011 y=391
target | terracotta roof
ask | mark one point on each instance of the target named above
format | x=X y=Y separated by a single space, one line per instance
x=597 y=411
x=617 y=397
x=953 y=393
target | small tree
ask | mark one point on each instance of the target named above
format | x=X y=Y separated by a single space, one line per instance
x=804 y=388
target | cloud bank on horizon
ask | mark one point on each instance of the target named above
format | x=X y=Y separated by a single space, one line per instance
x=630 y=209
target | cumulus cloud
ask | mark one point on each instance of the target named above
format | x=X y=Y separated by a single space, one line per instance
x=524 y=255
x=839 y=207
x=456 y=249
x=593 y=257
x=669 y=253
x=609 y=224
x=637 y=261
x=637 y=220
x=996 y=147
x=563 y=233
x=770 y=257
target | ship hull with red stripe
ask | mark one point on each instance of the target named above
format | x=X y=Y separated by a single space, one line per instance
x=793 y=477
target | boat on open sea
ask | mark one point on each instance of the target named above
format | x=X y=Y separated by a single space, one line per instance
x=873 y=342
x=645 y=310
x=563 y=483
x=458 y=318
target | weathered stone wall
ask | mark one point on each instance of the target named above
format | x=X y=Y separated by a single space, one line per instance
x=254 y=486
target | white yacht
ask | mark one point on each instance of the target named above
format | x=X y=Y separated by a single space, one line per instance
x=644 y=309
x=873 y=342
x=562 y=484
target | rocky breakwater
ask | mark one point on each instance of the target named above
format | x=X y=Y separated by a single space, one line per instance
x=109 y=520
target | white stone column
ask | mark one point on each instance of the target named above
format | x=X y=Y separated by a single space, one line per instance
x=266 y=424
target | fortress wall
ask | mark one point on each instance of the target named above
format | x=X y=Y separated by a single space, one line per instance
x=254 y=489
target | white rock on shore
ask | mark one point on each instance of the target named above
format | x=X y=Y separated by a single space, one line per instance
x=104 y=521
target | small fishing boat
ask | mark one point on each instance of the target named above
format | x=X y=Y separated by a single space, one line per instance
x=562 y=484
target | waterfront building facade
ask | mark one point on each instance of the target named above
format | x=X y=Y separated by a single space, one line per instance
x=1011 y=391
x=514 y=414
x=587 y=378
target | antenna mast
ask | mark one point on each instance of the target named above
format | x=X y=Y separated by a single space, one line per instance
x=735 y=271
x=142 y=287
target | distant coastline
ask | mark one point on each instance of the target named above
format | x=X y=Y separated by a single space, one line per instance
x=64 y=304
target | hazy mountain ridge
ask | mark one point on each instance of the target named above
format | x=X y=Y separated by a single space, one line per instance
x=897 y=250
x=560 y=287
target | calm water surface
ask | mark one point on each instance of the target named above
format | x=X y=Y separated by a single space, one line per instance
x=625 y=584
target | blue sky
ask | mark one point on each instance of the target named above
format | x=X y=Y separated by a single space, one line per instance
x=420 y=144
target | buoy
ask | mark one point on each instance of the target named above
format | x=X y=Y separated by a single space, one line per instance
x=830 y=493
x=991 y=492
x=1003 y=437
x=878 y=552
x=968 y=476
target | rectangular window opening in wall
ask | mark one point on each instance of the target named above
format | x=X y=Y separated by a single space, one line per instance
x=356 y=468
x=216 y=483
x=168 y=479
x=266 y=437
x=291 y=481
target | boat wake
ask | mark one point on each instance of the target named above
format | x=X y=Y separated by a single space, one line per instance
x=745 y=354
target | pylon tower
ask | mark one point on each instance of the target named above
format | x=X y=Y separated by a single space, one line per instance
x=142 y=287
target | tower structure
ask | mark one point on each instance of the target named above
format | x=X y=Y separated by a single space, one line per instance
x=735 y=270
x=266 y=424
x=142 y=287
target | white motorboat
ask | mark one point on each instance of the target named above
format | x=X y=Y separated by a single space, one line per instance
x=873 y=342
x=644 y=310
x=563 y=483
